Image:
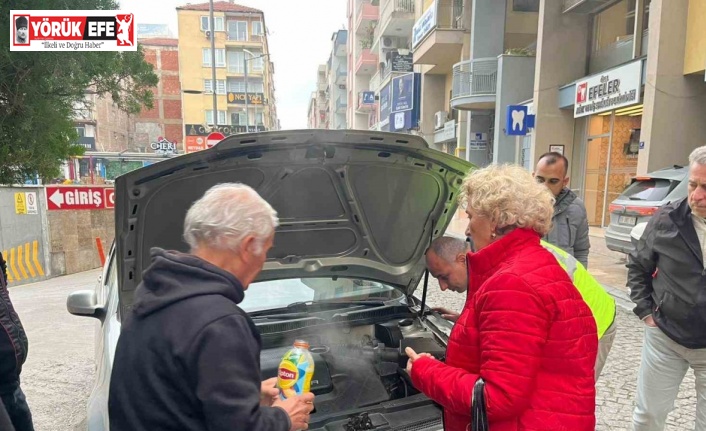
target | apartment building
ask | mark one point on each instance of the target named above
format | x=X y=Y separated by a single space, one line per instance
x=383 y=88
x=337 y=73
x=244 y=72
x=319 y=104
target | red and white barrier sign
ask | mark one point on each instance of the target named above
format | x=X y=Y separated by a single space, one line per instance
x=79 y=198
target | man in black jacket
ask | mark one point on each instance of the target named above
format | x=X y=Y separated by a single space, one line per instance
x=188 y=357
x=13 y=352
x=667 y=280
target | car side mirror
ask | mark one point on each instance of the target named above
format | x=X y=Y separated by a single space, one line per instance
x=84 y=303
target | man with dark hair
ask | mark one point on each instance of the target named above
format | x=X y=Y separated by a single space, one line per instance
x=570 y=221
x=13 y=352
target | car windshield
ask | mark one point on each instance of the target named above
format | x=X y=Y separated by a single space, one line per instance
x=653 y=189
x=271 y=294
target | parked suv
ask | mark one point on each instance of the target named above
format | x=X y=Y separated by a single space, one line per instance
x=640 y=200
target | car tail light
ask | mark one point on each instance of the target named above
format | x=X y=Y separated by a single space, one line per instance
x=643 y=211
x=616 y=208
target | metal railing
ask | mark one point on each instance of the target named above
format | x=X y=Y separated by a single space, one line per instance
x=388 y=7
x=611 y=55
x=478 y=77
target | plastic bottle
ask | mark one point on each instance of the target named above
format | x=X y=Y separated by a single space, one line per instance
x=295 y=371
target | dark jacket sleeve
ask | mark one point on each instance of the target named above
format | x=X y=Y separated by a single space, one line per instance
x=3 y=268
x=582 y=243
x=642 y=263
x=225 y=360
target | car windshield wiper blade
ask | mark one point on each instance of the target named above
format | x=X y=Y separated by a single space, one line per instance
x=302 y=307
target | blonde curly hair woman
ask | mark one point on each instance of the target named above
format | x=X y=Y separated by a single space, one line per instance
x=525 y=330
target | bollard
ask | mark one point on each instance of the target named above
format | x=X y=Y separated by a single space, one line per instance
x=101 y=254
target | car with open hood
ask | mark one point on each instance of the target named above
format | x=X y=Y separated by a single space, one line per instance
x=357 y=212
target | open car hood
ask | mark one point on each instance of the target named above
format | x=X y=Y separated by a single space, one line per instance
x=351 y=203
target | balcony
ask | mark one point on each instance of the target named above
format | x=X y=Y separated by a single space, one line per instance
x=366 y=62
x=396 y=18
x=339 y=43
x=240 y=38
x=321 y=86
x=341 y=105
x=437 y=37
x=475 y=84
x=341 y=73
x=367 y=16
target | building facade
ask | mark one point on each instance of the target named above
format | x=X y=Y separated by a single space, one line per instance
x=163 y=123
x=244 y=72
x=337 y=73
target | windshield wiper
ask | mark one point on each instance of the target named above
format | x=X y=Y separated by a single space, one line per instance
x=301 y=308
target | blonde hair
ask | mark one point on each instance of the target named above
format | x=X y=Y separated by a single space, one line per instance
x=509 y=196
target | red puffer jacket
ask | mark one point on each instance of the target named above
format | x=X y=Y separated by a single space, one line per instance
x=526 y=331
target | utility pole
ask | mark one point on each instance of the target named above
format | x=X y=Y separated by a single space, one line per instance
x=214 y=86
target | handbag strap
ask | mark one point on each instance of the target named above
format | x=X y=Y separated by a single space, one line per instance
x=479 y=415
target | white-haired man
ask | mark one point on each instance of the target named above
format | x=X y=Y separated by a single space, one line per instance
x=188 y=357
x=667 y=281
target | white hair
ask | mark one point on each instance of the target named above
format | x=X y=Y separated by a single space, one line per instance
x=698 y=156
x=225 y=215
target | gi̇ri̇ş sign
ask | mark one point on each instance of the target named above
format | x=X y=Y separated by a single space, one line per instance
x=609 y=90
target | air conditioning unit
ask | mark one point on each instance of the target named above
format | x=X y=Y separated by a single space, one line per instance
x=342 y=86
x=388 y=42
x=440 y=118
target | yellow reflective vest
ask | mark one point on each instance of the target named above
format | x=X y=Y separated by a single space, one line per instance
x=600 y=302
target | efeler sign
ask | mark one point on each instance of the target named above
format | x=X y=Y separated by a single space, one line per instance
x=609 y=90
x=424 y=25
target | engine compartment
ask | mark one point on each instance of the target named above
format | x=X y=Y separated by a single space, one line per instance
x=358 y=366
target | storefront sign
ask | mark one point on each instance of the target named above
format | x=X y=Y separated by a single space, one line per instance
x=478 y=141
x=403 y=93
x=163 y=146
x=609 y=90
x=385 y=106
x=239 y=98
x=424 y=25
x=79 y=198
x=402 y=63
x=193 y=144
x=447 y=133
x=205 y=130
x=368 y=97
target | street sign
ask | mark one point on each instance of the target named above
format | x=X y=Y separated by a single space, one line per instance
x=109 y=195
x=31 y=203
x=214 y=138
x=78 y=198
x=516 y=120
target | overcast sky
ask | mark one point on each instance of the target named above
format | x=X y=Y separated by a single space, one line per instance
x=299 y=39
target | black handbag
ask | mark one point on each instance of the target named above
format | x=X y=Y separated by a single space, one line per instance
x=479 y=415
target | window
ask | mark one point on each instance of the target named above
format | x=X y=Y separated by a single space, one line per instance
x=220 y=86
x=259 y=118
x=236 y=85
x=81 y=132
x=258 y=62
x=238 y=30
x=237 y=118
x=217 y=21
x=221 y=117
x=614 y=25
x=255 y=86
x=256 y=28
x=525 y=5
x=236 y=62
x=220 y=57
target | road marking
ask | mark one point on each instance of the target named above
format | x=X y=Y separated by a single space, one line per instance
x=28 y=263
x=15 y=274
x=35 y=254
x=19 y=262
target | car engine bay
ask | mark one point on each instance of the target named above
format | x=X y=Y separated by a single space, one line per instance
x=358 y=369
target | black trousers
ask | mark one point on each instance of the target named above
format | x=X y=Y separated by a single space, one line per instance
x=18 y=410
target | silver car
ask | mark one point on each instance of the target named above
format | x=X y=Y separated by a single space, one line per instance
x=640 y=200
x=357 y=212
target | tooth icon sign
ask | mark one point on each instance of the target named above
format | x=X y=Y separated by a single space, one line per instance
x=518 y=118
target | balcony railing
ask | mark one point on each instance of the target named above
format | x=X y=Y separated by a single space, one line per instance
x=368 y=13
x=388 y=7
x=477 y=77
x=616 y=53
